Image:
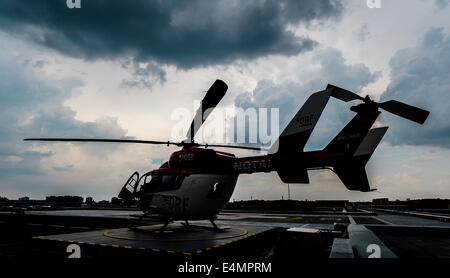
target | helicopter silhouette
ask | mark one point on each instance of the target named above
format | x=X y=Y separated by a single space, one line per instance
x=197 y=181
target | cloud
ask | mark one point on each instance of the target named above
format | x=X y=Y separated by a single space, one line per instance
x=62 y=168
x=30 y=107
x=290 y=96
x=144 y=75
x=363 y=33
x=181 y=33
x=442 y=4
x=420 y=77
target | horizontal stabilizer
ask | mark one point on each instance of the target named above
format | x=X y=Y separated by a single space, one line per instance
x=352 y=173
x=354 y=177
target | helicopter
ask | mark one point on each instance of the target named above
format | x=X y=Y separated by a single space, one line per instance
x=197 y=181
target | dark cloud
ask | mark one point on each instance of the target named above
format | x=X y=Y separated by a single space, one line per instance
x=421 y=77
x=62 y=168
x=31 y=108
x=363 y=34
x=290 y=96
x=182 y=33
x=144 y=74
x=442 y=4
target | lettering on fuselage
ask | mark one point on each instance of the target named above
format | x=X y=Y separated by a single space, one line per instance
x=255 y=165
x=186 y=157
x=175 y=203
x=305 y=120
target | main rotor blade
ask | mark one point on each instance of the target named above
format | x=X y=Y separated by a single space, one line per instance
x=102 y=140
x=211 y=99
x=232 y=147
x=343 y=94
x=405 y=110
x=179 y=144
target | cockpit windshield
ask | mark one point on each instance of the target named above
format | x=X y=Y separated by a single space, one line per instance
x=158 y=182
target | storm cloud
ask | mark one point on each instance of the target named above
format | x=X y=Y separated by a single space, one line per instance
x=29 y=107
x=421 y=77
x=290 y=96
x=186 y=34
x=442 y=4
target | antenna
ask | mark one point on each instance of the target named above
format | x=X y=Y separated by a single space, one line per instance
x=289 y=192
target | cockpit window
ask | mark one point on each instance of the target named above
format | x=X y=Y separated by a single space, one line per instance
x=158 y=182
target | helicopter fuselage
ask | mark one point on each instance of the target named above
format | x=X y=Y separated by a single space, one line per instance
x=197 y=183
x=200 y=196
x=194 y=184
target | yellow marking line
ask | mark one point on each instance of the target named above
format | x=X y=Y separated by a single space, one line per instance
x=108 y=234
x=294 y=218
x=112 y=245
x=245 y=234
x=231 y=241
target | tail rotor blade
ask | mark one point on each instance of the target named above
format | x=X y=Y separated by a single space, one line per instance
x=343 y=94
x=404 y=110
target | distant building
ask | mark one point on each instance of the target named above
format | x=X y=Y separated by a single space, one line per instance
x=64 y=201
x=24 y=198
x=380 y=201
x=116 y=201
x=339 y=204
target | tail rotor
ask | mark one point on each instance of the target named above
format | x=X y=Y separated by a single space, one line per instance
x=395 y=107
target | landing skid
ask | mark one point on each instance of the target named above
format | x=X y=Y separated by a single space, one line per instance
x=213 y=228
x=161 y=232
x=146 y=219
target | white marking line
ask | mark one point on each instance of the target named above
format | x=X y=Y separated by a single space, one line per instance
x=384 y=221
x=352 y=221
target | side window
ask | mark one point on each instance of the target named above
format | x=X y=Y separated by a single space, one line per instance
x=171 y=182
x=160 y=182
x=149 y=183
x=154 y=182
x=148 y=179
x=166 y=181
x=140 y=187
x=178 y=181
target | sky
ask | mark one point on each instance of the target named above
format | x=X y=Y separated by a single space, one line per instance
x=119 y=69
